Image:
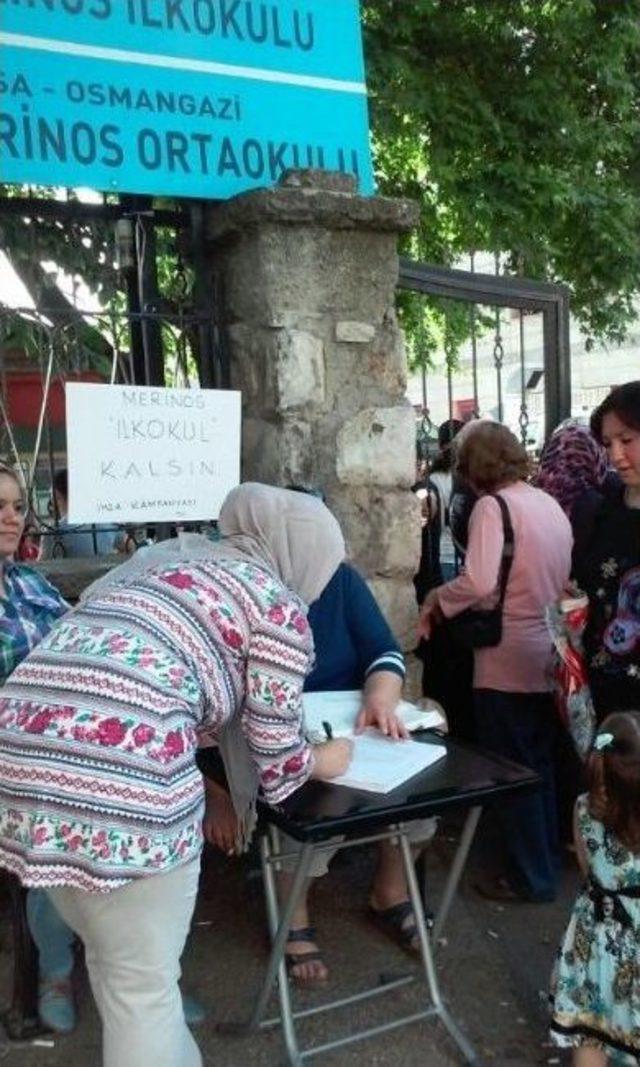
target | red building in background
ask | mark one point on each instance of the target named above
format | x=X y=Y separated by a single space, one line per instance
x=23 y=390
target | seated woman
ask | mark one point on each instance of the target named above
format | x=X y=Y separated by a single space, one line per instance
x=101 y=802
x=355 y=649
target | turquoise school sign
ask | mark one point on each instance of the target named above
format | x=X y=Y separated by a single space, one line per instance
x=201 y=98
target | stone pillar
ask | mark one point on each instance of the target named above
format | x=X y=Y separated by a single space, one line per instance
x=309 y=271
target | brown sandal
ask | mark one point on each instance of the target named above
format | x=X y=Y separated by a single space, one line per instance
x=296 y=959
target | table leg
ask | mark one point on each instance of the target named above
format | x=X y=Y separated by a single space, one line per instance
x=456 y=869
x=279 y=928
x=427 y=955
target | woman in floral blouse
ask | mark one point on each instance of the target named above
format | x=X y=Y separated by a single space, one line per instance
x=101 y=801
x=608 y=564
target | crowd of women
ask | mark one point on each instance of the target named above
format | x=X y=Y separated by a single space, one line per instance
x=578 y=521
x=193 y=645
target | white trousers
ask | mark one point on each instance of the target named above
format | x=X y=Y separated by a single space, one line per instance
x=133 y=939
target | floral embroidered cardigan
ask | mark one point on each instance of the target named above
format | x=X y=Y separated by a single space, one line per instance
x=99 y=724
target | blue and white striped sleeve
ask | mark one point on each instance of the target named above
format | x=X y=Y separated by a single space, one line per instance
x=393 y=660
x=377 y=648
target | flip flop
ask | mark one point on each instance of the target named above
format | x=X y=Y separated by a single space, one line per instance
x=296 y=959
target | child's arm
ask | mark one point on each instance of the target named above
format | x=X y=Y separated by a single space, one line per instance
x=581 y=852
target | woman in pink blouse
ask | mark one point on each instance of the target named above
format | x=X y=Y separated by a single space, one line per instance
x=513 y=708
x=101 y=802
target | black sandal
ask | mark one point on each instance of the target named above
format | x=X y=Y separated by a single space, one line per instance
x=393 y=922
x=296 y=959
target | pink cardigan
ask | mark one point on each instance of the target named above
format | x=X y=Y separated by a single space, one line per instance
x=541 y=565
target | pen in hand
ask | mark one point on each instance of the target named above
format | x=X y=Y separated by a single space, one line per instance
x=328 y=731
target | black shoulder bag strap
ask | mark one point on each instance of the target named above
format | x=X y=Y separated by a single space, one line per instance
x=507 y=549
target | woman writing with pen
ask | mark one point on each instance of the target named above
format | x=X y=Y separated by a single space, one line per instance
x=354 y=649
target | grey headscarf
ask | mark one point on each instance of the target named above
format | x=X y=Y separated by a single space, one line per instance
x=293 y=535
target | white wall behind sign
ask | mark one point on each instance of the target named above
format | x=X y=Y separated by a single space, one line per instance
x=138 y=454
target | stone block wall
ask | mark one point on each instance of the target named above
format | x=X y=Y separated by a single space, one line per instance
x=309 y=271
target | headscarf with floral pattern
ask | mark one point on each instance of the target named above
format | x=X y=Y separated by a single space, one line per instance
x=572 y=462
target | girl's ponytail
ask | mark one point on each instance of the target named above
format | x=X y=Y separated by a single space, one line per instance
x=613 y=777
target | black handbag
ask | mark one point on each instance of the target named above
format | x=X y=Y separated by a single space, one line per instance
x=482 y=627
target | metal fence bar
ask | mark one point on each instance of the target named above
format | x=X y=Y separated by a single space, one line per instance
x=474 y=359
x=557 y=375
x=523 y=418
x=476 y=287
x=498 y=360
x=450 y=391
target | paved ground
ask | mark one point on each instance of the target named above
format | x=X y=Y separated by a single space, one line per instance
x=494 y=965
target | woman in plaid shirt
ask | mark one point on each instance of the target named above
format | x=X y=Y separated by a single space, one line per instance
x=29 y=606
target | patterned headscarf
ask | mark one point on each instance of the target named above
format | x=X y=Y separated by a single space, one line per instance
x=572 y=462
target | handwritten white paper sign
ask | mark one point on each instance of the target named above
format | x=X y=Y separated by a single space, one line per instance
x=141 y=454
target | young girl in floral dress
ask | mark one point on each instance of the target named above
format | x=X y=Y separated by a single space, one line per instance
x=596 y=983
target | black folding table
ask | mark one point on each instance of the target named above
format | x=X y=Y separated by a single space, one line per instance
x=465 y=778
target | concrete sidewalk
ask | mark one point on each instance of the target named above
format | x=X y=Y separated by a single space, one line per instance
x=494 y=965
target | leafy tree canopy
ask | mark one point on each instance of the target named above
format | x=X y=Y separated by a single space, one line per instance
x=516 y=125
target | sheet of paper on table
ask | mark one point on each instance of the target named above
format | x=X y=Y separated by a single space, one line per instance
x=340 y=709
x=379 y=764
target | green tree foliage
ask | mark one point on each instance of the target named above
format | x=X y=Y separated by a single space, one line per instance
x=516 y=125
x=80 y=248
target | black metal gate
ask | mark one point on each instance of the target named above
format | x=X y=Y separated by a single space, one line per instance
x=545 y=382
x=160 y=326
